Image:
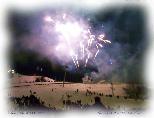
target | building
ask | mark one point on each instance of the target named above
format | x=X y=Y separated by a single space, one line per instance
x=87 y=79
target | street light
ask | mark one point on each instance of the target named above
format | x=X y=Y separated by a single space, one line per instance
x=64 y=75
x=64 y=78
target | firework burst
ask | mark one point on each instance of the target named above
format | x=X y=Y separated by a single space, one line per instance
x=75 y=38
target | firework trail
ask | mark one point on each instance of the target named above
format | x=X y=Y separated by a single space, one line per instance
x=76 y=39
x=96 y=54
x=87 y=59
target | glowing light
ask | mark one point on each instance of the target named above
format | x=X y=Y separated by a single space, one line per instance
x=68 y=29
x=76 y=39
x=64 y=16
x=48 y=19
x=96 y=54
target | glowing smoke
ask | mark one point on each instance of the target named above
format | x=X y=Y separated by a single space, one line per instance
x=75 y=39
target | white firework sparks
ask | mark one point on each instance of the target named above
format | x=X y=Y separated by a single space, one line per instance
x=96 y=54
x=75 y=38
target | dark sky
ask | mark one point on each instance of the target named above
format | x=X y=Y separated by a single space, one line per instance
x=120 y=61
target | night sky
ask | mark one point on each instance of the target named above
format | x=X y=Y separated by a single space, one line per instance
x=121 y=61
